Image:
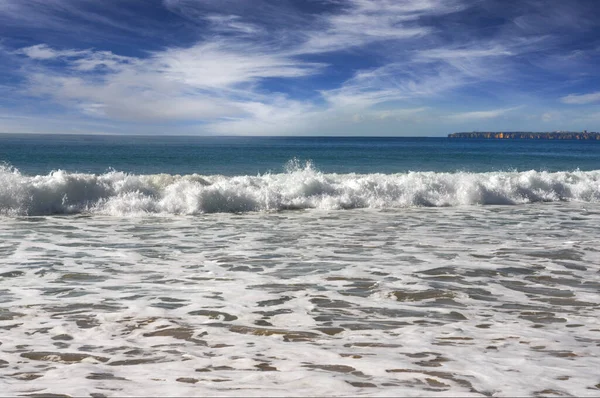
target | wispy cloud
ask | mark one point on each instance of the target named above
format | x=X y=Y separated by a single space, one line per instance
x=43 y=52
x=392 y=82
x=233 y=24
x=221 y=64
x=480 y=115
x=366 y=21
x=82 y=16
x=200 y=83
x=81 y=60
x=451 y=53
x=579 y=99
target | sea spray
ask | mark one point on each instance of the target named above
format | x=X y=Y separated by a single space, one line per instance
x=300 y=187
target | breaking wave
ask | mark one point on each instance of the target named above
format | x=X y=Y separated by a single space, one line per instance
x=300 y=187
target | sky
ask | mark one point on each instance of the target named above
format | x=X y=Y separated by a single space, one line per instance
x=298 y=67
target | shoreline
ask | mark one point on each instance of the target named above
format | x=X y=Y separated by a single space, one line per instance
x=526 y=135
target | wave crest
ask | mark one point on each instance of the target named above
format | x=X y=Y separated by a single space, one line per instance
x=300 y=187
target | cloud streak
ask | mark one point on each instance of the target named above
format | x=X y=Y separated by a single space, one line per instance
x=362 y=22
x=480 y=115
x=580 y=99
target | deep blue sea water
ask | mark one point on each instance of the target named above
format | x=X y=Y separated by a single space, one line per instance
x=40 y=154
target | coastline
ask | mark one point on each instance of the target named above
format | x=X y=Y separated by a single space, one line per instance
x=526 y=135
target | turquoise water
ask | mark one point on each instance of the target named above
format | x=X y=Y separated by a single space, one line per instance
x=40 y=154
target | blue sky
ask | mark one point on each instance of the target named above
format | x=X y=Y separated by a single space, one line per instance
x=298 y=67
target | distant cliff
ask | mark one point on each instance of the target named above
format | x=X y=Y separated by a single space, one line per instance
x=524 y=135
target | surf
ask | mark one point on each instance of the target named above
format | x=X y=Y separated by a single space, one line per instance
x=299 y=187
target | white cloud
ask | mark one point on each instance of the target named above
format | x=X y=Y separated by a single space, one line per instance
x=393 y=82
x=80 y=16
x=455 y=53
x=580 y=99
x=410 y=114
x=367 y=21
x=299 y=119
x=550 y=116
x=15 y=122
x=232 y=23
x=130 y=96
x=101 y=59
x=82 y=60
x=479 y=115
x=43 y=52
x=483 y=60
x=220 y=64
x=201 y=83
x=218 y=82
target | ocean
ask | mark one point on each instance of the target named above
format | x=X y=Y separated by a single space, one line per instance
x=280 y=266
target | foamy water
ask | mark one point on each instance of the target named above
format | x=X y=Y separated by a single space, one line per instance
x=386 y=299
x=301 y=187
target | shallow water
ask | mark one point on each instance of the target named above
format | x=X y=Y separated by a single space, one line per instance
x=442 y=301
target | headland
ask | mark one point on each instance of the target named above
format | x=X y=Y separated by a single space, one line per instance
x=526 y=135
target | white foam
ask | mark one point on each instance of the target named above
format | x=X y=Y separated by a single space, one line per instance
x=247 y=305
x=119 y=193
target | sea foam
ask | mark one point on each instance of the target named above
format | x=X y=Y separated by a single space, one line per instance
x=119 y=193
